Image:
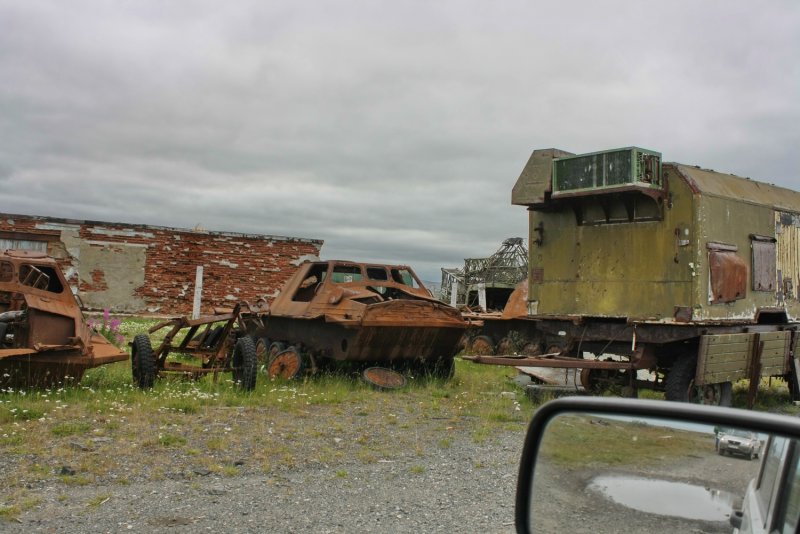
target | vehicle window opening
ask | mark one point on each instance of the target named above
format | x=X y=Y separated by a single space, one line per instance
x=6 y=271
x=404 y=276
x=346 y=273
x=308 y=287
x=40 y=277
x=377 y=273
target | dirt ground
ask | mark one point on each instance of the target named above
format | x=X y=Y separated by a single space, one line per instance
x=565 y=501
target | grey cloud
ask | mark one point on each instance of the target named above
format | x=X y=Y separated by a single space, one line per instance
x=395 y=131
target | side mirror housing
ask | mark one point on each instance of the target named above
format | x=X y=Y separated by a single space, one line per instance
x=598 y=458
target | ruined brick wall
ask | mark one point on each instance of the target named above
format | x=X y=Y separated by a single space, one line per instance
x=151 y=269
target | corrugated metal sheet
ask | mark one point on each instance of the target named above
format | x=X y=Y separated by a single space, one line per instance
x=787 y=235
x=737 y=188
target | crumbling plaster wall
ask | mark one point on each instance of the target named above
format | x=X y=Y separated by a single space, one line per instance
x=150 y=269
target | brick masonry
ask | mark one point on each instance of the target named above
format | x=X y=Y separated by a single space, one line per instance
x=151 y=269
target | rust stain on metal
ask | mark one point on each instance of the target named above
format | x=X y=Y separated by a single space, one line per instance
x=44 y=339
x=362 y=312
x=383 y=378
x=728 y=276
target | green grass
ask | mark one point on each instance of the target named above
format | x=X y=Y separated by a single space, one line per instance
x=70 y=429
x=577 y=441
x=10 y=513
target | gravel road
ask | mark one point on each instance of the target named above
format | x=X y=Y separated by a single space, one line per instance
x=367 y=466
x=455 y=485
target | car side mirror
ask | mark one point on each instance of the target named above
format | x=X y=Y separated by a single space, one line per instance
x=605 y=464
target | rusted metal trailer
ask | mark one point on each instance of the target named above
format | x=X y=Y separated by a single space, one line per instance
x=334 y=311
x=686 y=274
x=211 y=344
x=44 y=339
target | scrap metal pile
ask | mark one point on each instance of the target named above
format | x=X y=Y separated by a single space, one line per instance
x=485 y=284
x=44 y=339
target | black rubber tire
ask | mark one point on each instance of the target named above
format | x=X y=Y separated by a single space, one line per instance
x=677 y=386
x=212 y=337
x=245 y=363
x=679 y=378
x=143 y=362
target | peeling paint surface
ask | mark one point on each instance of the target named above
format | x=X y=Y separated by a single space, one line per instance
x=120 y=233
x=152 y=269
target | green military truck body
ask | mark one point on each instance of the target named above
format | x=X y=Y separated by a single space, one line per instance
x=670 y=265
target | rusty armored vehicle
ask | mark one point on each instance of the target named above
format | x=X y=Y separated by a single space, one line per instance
x=369 y=314
x=657 y=275
x=44 y=339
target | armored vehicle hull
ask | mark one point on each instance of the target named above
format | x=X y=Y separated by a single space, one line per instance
x=365 y=313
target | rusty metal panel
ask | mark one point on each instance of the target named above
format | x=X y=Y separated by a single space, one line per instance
x=723 y=358
x=630 y=269
x=534 y=184
x=517 y=305
x=736 y=188
x=764 y=269
x=45 y=338
x=728 y=276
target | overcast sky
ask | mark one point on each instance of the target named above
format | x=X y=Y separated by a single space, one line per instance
x=392 y=130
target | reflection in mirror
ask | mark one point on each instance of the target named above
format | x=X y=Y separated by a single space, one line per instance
x=598 y=473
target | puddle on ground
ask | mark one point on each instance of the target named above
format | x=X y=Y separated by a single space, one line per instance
x=663 y=497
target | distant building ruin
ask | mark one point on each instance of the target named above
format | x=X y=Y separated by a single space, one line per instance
x=152 y=269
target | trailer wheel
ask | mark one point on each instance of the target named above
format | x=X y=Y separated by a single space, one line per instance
x=507 y=346
x=287 y=364
x=482 y=346
x=262 y=352
x=143 y=363
x=679 y=386
x=275 y=348
x=679 y=379
x=245 y=364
